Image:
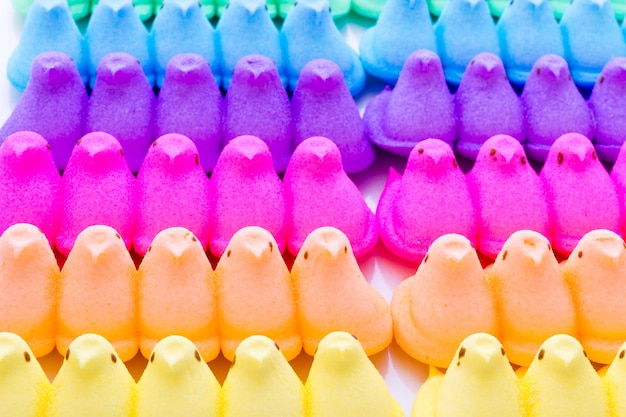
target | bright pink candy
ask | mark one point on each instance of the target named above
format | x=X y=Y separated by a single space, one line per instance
x=508 y=194
x=320 y=193
x=430 y=199
x=246 y=191
x=581 y=195
x=97 y=188
x=29 y=184
x=172 y=191
x=618 y=175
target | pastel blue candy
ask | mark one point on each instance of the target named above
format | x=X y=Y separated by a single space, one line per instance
x=403 y=26
x=527 y=30
x=464 y=29
x=181 y=27
x=246 y=28
x=49 y=26
x=591 y=36
x=115 y=27
x=309 y=33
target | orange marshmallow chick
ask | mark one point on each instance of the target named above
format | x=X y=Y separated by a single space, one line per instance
x=533 y=301
x=255 y=294
x=446 y=300
x=177 y=293
x=333 y=295
x=596 y=274
x=29 y=275
x=97 y=292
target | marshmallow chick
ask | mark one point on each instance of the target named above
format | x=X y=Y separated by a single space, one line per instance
x=615 y=382
x=53 y=105
x=245 y=191
x=258 y=105
x=255 y=294
x=96 y=188
x=572 y=164
x=424 y=403
x=618 y=176
x=560 y=381
x=332 y=294
x=261 y=383
x=508 y=194
x=176 y=268
x=28 y=282
x=322 y=106
x=413 y=212
x=343 y=381
x=172 y=190
x=319 y=193
x=552 y=106
x=533 y=300
x=24 y=387
x=596 y=274
x=29 y=184
x=177 y=382
x=122 y=104
x=309 y=33
x=419 y=107
x=479 y=381
x=190 y=103
x=404 y=26
x=97 y=292
x=92 y=380
x=446 y=300
x=486 y=105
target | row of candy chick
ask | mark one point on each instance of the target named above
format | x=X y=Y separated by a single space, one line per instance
x=560 y=381
x=308 y=33
x=177 y=382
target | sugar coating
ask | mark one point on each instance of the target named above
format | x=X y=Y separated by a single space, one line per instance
x=246 y=191
x=48 y=27
x=190 y=103
x=412 y=211
x=309 y=33
x=172 y=191
x=122 y=103
x=53 y=105
x=319 y=193
x=446 y=300
x=176 y=268
x=591 y=37
x=181 y=27
x=552 y=106
x=255 y=294
x=527 y=30
x=581 y=195
x=607 y=104
x=29 y=184
x=403 y=26
x=322 y=106
x=618 y=176
x=615 y=382
x=257 y=104
x=332 y=294
x=418 y=108
x=246 y=28
x=486 y=105
x=464 y=29
x=507 y=193
x=96 y=188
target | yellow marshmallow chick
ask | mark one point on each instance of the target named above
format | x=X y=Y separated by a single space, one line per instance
x=343 y=382
x=424 y=404
x=261 y=383
x=24 y=387
x=615 y=383
x=177 y=382
x=93 y=381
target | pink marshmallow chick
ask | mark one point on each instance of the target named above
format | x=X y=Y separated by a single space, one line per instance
x=618 y=175
x=172 y=191
x=319 y=193
x=429 y=200
x=97 y=188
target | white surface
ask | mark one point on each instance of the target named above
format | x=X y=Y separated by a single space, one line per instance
x=403 y=374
